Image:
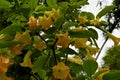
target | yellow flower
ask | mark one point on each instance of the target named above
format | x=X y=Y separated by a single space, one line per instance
x=82 y=19
x=40 y=45
x=78 y=29
x=79 y=42
x=61 y=71
x=115 y=39
x=54 y=14
x=89 y=56
x=24 y=39
x=63 y=40
x=27 y=60
x=102 y=74
x=32 y=23
x=95 y=22
x=93 y=50
x=76 y=60
x=45 y=22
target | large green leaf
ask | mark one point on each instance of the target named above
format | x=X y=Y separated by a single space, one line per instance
x=4 y=4
x=51 y=3
x=4 y=44
x=81 y=77
x=113 y=75
x=38 y=63
x=105 y=10
x=90 y=67
x=88 y=14
x=84 y=34
x=33 y=4
x=42 y=73
x=12 y=29
x=67 y=25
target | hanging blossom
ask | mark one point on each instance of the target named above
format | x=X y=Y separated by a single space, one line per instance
x=49 y=18
x=39 y=44
x=32 y=23
x=89 y=56
x=24 y=39
x=79 y=42
x=61 y=71
x=82 y=19
x=95 y=22
x=27 y=60
x=106 y=71
x=76 y=60
x=63 y=40
x=115 y=39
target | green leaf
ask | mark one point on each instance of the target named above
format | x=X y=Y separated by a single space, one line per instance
x=42 y=73
x=39 y=7
x=11 y=30
x=51 y=3
x=4 y=44
x=89 y=15
x=67 y=25
x=90 y=67
x=113 y=75
x=84 y=34
x=38 y=63
x=73 y=1
x=4 y=4
x=106 y=10
x=33 y=4
x=81 y=3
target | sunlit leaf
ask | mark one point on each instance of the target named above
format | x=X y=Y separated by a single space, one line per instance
x=90 y=67
x=38 y=63
x=105 y=10
x=4 y=4
x=42 y=73
x=89 y=15
x=33 y=3
x=11 y=30
x=4 y=44
x=51 y=3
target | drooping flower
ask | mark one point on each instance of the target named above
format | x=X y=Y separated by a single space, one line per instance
x=95 y=22
x=89 y=56
x=115 y=39
x=63 y=40
x=76 y=60
x=82 y=19
x=32 y=23
x=24 y=39
x=27 y=60
x=79 y=42
x=60 y=71
x=40 y=45
x=93 y=50
x=45 y=22
x=106 y=71
x=54 y=14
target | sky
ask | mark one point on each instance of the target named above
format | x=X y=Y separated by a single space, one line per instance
x=95 y=8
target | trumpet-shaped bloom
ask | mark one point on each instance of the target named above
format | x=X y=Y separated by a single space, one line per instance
x=102 y=74
x=27 y=60
x=32 y=23
x=61 y=71
x=63 y=40
x=79 y=42
x=115 y=39
x=76 y=60
x=54 y=14
x=93 y=50
x=89 y=56
x=24 y=39
x=82 y=19
x=45 y=22
x=40 y=45
x=95 y=22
